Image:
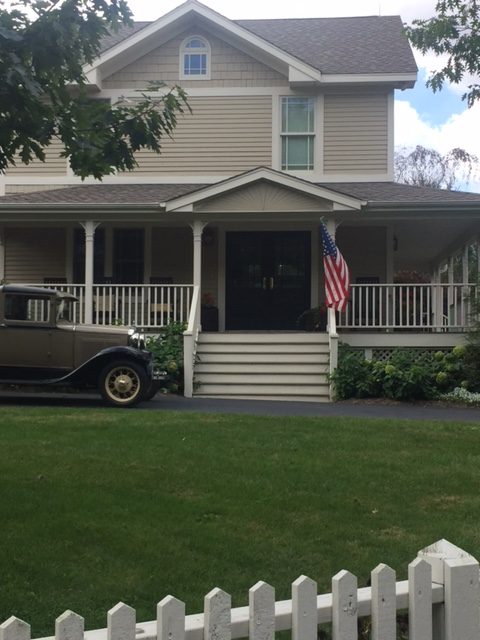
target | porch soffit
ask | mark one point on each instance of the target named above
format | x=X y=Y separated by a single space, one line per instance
x=264 y=197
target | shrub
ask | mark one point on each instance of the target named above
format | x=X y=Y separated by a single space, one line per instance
x=407 y=375
x=352 y=378
x=167 y=349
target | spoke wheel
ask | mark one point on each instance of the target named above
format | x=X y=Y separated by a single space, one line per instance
x=123 y=384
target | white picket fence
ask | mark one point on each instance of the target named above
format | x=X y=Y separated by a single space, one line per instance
x=441 y=596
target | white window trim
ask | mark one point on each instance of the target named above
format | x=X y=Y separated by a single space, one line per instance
x=312 y=134
x=208 y=51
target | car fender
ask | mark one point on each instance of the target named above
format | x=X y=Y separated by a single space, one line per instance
x=88 y=372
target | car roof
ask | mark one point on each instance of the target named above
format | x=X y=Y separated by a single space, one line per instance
x=18 y=288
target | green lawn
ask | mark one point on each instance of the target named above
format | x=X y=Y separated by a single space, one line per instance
x=103 y=505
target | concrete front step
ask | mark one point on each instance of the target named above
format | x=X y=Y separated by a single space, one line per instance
x=265 y=337
x=276 y=368
x=274 y=390
x=289 y=359
x=263 y=365
x=256 y=378
x=283 y=398
x=274 y=347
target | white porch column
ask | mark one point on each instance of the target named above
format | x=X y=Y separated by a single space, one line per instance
x=89 y=227
x=197 y=228
x=332 y=320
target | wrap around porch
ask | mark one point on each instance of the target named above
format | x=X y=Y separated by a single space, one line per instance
x=245 y=255
x=431 y=307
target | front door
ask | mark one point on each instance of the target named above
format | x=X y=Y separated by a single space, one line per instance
x=267 y=279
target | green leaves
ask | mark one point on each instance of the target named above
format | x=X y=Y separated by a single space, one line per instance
x=44 y=93
x=454 y=32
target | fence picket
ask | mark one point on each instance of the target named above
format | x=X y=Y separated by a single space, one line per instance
x=121 y=622
x=69 y=626
x=461 y=599
x=383 y=603
x=344 y=606
x=217 y=623
x=170 y=619
x=304 y=609
x=419 y=600
x=14 y=629
x=261 y=603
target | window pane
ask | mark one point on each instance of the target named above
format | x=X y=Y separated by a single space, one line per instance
x=297 y=152
x=473 y=262
x=196 y=43
x=195 y=64
x=458 y=268
x=297 y=115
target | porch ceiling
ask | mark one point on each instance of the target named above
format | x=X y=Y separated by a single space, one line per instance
x=426 y=242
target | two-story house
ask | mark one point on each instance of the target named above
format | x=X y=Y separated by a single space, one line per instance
x=291 y=124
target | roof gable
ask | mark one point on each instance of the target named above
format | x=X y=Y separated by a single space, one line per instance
x=140 y=41
x=242 y=69
x=301 y=191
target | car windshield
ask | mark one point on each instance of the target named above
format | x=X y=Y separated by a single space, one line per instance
x=64 y=310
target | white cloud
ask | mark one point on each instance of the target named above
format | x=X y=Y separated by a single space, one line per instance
x=460 y=130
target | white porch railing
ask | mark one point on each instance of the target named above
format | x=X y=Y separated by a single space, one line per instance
x=435 y=307
x=147 y=306
x=441 y=597
x=190 y=339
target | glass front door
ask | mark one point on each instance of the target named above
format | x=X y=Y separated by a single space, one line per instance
x=267 y=279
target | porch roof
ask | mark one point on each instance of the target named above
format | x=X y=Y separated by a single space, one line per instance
x=376 y=195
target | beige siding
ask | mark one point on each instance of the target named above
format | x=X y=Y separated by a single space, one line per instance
x=364 y=249
x=34 y=254
x=356 y=133
x=31 y=188
x=229 y=68
x=54 y=165
x=210 y=264
x=172 y=254
x=223 y=135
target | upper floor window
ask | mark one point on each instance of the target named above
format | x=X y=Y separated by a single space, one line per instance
x=195 y=59
x=298 y=133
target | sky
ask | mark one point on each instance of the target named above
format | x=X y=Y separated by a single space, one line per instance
x=438 y=121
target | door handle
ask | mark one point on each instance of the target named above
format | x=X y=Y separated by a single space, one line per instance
x=264 y=283
x=272 y=283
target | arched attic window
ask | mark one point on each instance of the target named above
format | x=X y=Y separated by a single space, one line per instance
x=195 y=59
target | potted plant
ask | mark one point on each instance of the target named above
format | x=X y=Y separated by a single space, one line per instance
x=209 y=313
x=314 y=319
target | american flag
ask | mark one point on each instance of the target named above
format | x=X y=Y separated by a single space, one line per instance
x=337 y=277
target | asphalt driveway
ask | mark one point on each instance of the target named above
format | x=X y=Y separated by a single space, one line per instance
x=414 y=411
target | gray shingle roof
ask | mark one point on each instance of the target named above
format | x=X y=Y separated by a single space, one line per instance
x=396 y=193
x=374 y=44
x=104 y=194
x=150 y=194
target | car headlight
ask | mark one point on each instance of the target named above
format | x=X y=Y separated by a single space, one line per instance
x=136 y=339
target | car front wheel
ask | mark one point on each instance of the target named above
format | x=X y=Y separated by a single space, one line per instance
x=123 y=383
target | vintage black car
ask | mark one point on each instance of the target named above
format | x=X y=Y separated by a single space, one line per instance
x=41 y=345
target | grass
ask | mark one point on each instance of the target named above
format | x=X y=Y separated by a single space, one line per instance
x=103 y=505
